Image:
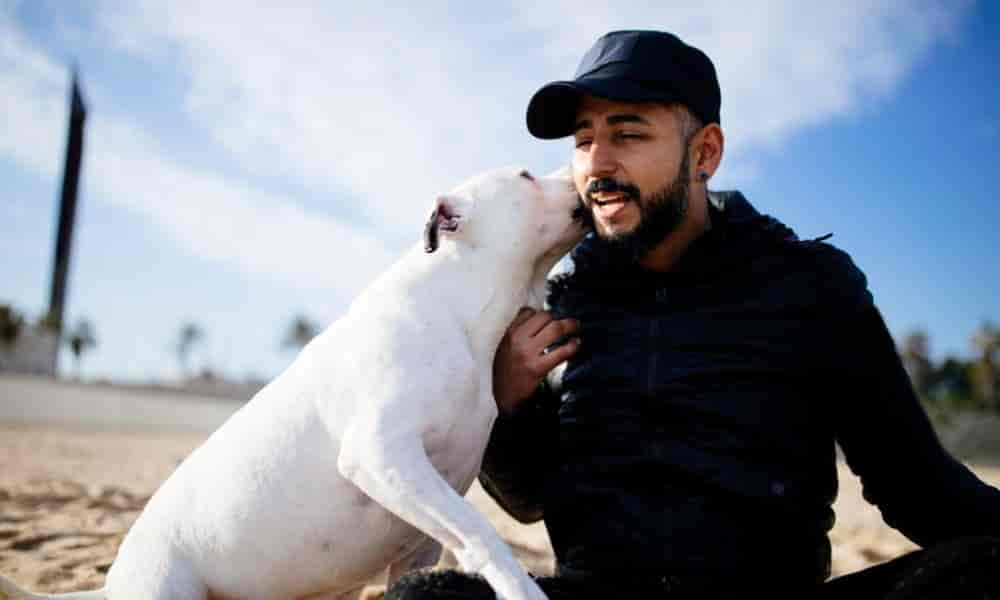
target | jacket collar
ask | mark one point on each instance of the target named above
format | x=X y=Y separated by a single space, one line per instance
x=729 y=213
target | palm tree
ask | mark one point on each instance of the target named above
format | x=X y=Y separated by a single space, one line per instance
x=190 y=335
x=915 y=353
x=81 y=339
x=11 y=323
x=986 y=375
x=300 y=332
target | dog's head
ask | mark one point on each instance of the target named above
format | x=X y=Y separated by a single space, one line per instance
x=510 y=213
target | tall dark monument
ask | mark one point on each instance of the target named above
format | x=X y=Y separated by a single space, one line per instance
x=67 y=210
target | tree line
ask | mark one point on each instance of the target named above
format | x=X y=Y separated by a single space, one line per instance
x=82 y=337
x=300 y=331
x=953 y=382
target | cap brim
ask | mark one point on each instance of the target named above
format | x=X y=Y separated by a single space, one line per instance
x=552 y=110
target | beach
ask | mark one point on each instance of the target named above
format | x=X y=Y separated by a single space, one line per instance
x=79 y=461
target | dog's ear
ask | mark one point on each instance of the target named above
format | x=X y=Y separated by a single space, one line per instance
x=445 y=217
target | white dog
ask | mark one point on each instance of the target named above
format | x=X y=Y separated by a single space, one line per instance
x=356 y=458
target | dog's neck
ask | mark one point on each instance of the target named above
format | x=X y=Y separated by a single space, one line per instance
x=492 y=292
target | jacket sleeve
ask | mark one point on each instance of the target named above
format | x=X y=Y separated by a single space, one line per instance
x=890 y=444
x=520 y=452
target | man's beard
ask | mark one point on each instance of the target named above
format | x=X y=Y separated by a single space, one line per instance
x=660 y=214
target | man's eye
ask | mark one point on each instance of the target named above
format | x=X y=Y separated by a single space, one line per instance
x=584 y=143
x=631 y=136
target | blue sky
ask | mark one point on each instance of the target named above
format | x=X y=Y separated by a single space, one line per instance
x=248 y=163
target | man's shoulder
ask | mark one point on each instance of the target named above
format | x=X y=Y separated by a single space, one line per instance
x=835 y=276
x=825 y=273
x=830 y=266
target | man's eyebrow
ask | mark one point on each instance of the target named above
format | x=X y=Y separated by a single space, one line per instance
x=626 y=118
x=612 y=120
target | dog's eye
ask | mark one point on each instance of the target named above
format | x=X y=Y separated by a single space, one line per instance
x=527 y=175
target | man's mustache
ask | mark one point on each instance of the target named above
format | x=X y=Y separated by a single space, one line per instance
x=609 y=185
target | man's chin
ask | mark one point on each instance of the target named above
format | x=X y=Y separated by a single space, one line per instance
x=613 y=232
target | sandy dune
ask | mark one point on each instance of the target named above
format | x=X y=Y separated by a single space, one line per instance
x=72 y=483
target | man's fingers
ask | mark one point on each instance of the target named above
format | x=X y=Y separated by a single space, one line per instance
x=533 y=324
x=532 y=332
x=548 y=360
x=553 y=331
x=522 y=315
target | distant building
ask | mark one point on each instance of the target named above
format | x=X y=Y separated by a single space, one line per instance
x=32 y=352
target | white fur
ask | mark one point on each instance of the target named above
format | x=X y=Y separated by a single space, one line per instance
x=349 y=460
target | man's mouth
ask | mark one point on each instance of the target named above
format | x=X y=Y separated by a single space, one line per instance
x=608 y=197
x=608 y=205
x=603 y=199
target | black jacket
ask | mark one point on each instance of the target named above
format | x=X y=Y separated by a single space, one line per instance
x=694 y=431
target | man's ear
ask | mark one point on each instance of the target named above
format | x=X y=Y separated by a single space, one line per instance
x=707 y=149
x=445 y=217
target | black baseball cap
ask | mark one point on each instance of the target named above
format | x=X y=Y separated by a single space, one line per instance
x=629 y=66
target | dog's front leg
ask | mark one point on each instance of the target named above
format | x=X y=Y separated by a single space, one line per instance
x=393 y=469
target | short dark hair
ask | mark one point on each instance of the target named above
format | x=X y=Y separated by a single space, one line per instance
x=688 y=122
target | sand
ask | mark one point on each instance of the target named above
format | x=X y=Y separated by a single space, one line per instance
x=68 y=493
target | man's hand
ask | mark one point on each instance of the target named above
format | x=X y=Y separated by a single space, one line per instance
x=522 y=360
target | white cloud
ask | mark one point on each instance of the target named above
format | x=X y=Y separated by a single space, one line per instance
x=414 y=100
x=34 y=112
x=393 y=105
x=228 y=221
x=387 y=107
x=206 y=214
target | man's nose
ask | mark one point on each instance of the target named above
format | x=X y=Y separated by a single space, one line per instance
x=601 y=161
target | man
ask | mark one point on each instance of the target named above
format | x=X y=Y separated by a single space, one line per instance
x=688 y=447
